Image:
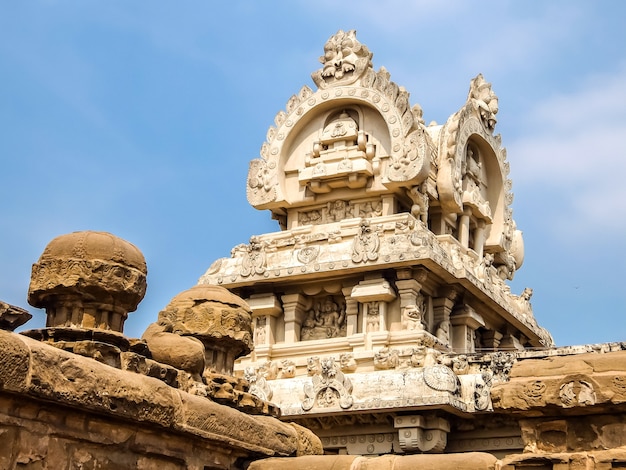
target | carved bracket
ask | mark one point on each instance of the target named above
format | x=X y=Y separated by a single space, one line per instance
x=422 y=434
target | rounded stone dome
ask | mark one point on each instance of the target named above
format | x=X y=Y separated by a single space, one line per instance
x=214 y=315
x=88 y=279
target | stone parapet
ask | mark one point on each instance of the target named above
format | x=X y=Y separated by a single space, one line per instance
x=42 y=387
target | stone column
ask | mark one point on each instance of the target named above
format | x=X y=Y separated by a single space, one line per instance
x=479 y=238
x=442 y=306
x=464 y=225
x=464 y=321
x=409 y=285
x=294 y=312
x=268 y=306
x=352 y=312
x=374 y=289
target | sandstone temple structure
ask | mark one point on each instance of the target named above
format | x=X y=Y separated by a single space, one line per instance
x=375 y=330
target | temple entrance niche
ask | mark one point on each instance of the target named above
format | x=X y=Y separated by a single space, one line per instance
x=325 y=319
x=342 y=155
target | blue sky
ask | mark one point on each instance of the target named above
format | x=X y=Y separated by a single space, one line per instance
x=139 y=118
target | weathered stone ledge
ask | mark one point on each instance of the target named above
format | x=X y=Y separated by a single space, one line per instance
x=40 y=372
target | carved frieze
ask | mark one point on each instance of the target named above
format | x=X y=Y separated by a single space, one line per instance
x=325 y=319
x=329 y=388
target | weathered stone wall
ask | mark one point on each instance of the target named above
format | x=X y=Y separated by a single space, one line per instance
x=59 y=410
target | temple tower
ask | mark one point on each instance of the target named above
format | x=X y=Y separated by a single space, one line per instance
x=383 y=300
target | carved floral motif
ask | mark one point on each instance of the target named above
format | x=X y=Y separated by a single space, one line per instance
x=254 y=261
x=366 y=244
x=441 y=378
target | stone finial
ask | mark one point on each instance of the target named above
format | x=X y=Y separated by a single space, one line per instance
x=219 y=319
x=88 y=280
x=344 y=61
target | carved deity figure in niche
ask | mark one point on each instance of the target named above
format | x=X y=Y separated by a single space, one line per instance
x=412 y=317
x=337 y=210
x=259 y=330
x=373 y=317
x=325 y=320
x=371 y=209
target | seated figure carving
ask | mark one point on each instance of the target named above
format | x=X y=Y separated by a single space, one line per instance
x=325 y=320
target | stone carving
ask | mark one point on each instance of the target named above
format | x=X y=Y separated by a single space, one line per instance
x=329 y=388
x=334 y=211
x=414 y=163
x=288 y=369
x=327 y=319
x=254 y=260
x=12 y=317
x=269 y=370
x=347 y=362
x=313 y=366
x=577 y=393
x=385 y=359
x=370 y=209
x=366 y=244
x=373 y=317
x=482 y=389
x=412 y=316
x=441 y=378
x=338 y=210
x=261 y=187
x=341 y=158
x=258 y=384
x=344 y=61
x=260 y=330
x=443 y=332
x=460 y=364
x=208 y=320
x=423 y=434
x=534 y=391
x=99 y=276
x=308 y=254
x=485 y=100
x=501 y=364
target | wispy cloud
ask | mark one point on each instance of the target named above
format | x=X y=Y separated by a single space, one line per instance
x=573 y=143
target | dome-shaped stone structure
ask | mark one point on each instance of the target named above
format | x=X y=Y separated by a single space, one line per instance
x=218 y=318
x=88 y=280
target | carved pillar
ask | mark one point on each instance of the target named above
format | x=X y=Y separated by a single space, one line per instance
x=442 y=306
x=479 y=238
x=409 y=285
x=464 y=321
x=374 y=289
x=418 y=433
x=352 y=312
x=268 y=306
x=294 y=312
x=464 y=226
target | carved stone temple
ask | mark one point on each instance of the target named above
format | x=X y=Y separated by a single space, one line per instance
x=375 y=330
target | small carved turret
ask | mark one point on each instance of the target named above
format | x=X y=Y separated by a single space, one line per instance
x=88 y=280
